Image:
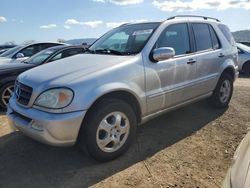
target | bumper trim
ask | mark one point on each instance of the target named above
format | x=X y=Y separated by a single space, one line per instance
x=56 y=129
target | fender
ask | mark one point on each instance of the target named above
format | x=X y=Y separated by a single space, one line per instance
x=137 y=93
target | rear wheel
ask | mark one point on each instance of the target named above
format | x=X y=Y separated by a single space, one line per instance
x=5 y=94
x=108 y=129
x=246 y=68
x=223 y=92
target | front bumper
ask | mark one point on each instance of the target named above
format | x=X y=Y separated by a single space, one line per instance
x=53 y=129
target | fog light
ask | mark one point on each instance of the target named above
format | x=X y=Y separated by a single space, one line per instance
x=36 y=126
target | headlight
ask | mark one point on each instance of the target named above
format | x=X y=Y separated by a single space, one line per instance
x=55 y=98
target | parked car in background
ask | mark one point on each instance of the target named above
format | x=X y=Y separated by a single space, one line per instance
x=9 y=71
x=7 y=46
x=244 y=58
x=130 y=75
x=245 y=43
x=238 y=176
x=3 y=50
x=22 y=52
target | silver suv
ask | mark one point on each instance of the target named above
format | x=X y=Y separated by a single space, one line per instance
x=130 y=75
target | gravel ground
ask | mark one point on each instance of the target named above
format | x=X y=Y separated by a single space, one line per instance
x=189 y=147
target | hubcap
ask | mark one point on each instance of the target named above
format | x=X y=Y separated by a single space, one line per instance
x=7 y=94
x=225 y=91
x=113 y=132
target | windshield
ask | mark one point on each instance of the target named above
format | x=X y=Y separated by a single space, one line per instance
x=124 y=40
x=243 y=47
x=41 y=56
x=11 y=51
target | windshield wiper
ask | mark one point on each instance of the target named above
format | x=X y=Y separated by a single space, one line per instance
x=107 y=51
x=90 y=51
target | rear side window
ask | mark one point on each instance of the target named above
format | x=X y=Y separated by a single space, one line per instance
x=226 y=32
x=214 y=38
x=202 y=36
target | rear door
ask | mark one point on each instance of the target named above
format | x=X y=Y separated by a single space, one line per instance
x=209 y=55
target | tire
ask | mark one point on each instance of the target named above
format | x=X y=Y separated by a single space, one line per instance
x=217 y=100
x=108 y=129
x=246 y=68
x=4 y=92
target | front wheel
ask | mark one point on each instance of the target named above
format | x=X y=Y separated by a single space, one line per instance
x=108 y=130
x=223 y=92
x=5 y=94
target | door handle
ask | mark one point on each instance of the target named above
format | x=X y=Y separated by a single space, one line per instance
x=221 y=55
x=191 y=61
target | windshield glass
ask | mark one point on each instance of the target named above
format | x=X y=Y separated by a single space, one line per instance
x=40 y=57
x=243 y=47
x=11 y=51
x=125 y=40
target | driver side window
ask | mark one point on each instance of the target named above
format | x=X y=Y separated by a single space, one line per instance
x=28 y=51
x=175 y=36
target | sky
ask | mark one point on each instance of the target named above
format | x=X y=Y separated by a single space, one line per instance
x=49 y=20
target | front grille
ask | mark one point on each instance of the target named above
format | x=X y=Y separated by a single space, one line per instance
x=23 y=93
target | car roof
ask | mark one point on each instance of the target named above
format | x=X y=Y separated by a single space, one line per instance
x=60 y=47
x=204 y=19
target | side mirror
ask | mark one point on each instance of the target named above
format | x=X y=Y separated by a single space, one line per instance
x=164 y=53
x=20 y=55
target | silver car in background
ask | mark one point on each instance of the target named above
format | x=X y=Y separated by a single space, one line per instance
x=23 y=52
x=130 y=75
x=244 y=58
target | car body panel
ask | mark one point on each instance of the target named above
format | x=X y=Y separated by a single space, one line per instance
x=238 y=176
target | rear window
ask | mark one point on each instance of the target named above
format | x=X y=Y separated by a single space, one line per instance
x=226 y=32
x=202 y=36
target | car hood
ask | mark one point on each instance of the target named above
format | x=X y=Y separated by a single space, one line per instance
x=14 y=66
x=63 y=71
x=240 y=173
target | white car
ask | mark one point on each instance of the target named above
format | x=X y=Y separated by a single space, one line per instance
x=22 y=52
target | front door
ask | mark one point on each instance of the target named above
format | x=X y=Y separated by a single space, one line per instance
x=169 y=82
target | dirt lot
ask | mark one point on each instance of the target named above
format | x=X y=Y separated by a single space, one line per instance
x=189 y=147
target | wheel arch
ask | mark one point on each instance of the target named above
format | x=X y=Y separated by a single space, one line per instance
x=244 y=64
x=230 y=71
x=124 y=95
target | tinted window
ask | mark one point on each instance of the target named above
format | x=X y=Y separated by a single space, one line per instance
x=177 y=37
x=29 y=51
x=202 y=36
x=48 y=45
x=214 y=37
x=67 y=53
x=41 y=56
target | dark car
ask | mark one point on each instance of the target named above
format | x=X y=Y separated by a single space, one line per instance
x=10 y=71
x=23 y=52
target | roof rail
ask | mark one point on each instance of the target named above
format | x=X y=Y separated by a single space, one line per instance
x=193 y=16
